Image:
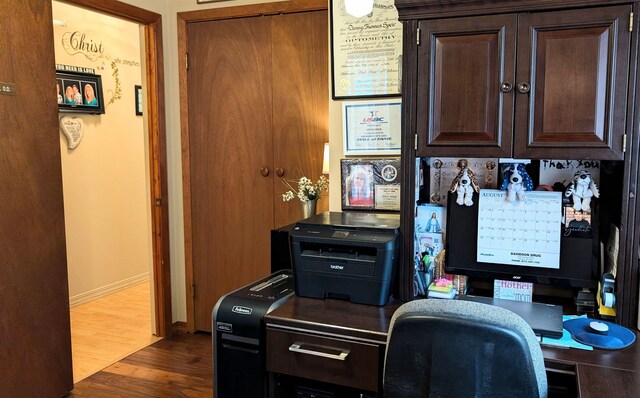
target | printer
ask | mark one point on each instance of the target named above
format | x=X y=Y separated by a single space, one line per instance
x=346 y=255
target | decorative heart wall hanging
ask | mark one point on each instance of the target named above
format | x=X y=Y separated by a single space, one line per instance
x=73 y=129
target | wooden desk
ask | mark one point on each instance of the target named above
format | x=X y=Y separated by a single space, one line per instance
x=327 y=327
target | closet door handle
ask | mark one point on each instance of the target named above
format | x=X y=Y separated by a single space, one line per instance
x=279 y=172
x=264 y=171
x=524 y=87
x=506 y=87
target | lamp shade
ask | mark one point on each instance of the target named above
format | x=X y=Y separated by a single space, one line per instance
x=358 y=8
x=325 y=159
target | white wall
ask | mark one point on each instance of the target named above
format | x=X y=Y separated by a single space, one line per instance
x=169 y=9
x=105 y=183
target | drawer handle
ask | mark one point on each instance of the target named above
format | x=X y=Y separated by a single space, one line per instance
x=297 y=347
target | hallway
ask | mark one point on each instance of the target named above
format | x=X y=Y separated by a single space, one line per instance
x=105 y=330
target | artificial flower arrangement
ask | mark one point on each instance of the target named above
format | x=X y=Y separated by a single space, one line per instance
x=306 y=191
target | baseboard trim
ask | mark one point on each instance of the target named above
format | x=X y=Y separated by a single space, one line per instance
x=108 y=289
x=180 y=327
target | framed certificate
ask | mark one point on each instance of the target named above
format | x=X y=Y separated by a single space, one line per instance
x=371 y=127
x=366 y=51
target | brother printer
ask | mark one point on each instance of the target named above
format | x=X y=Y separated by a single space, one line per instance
x=350 y=256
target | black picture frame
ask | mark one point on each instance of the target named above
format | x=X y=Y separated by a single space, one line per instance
x=79 y=92
x=138 y=97
x=378 y=185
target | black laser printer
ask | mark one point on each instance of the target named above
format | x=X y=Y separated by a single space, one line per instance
x=346 y=255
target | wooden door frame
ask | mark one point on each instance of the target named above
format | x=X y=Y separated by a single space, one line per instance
x=155 y=115
x=213 y=14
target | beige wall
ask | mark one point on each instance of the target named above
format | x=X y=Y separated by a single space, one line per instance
x=105 y=177
x=169 y=9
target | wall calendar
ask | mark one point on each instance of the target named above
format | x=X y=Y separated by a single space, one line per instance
x=525 y=233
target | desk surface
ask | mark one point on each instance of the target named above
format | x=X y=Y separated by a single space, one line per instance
x=615 y=373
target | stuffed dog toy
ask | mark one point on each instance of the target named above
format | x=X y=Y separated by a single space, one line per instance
x=516 y=180
x=582 y=189
x=464 y=184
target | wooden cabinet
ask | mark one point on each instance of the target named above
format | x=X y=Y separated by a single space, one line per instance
x=331 y=342
x=330 y=360
x=527 y=85
x=535 y=79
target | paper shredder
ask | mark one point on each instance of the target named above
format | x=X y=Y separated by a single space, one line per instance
x=239 y=335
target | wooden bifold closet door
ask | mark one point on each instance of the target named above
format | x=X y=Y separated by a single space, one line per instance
x=258 y=98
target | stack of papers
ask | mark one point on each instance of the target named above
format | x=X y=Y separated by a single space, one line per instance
x=447 y=292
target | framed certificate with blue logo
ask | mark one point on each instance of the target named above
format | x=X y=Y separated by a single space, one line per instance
x=371 y=127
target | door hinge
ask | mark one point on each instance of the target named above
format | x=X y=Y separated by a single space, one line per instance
x=193 y=290
x=186 y=61
x=415 y=142
x=631 y=22
x=418 y=36
x=158 y=202
x=624 y=143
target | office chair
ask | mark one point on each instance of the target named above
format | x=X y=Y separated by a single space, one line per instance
x=457 y=348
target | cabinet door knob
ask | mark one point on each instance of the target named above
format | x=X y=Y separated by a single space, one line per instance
x=264 y=171
x=279 y=172
x=506 y=87
x=524 y=87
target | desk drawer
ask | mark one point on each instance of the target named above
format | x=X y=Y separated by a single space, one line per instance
x=330 y=360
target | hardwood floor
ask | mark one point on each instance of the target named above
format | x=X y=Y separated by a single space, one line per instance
x=108 y=329
x=178 y=366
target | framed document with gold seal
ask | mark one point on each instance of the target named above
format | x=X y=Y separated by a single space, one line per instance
x=366 y=51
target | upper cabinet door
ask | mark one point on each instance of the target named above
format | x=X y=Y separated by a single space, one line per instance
x=465 y=86
x=572 y=79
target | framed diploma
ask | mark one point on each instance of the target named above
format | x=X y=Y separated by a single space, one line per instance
x=366 y=51
x=371 y=127
x=370 y=184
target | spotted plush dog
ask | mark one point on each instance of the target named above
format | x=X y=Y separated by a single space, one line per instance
x=464 y=185
x=516 y=180
x=581 y=190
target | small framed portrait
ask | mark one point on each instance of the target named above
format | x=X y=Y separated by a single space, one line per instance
x=79 y=92
x=577 y=223
x=370 y=184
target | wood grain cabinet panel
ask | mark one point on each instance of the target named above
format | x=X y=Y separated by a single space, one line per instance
x=337 y=361
x=461 y=67
x=577 y=67
x=529 y=85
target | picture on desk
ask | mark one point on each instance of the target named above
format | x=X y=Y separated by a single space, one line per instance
x=430 y=218
x=577 y=223
x=370 y=184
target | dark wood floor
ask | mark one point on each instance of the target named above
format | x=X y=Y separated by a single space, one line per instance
x=180 y=366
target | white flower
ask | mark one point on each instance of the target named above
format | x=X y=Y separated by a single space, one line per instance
x=306 y=189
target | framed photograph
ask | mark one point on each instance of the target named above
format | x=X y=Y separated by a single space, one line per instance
x=577 y=223
x=370 y=184
x=366 y=51
x=371 y=127
x=79 y=92
x=138 y=96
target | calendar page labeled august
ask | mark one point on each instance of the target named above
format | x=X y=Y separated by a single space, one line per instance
x=525 y=233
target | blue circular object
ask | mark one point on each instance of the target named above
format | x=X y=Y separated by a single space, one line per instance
x=616 y=337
